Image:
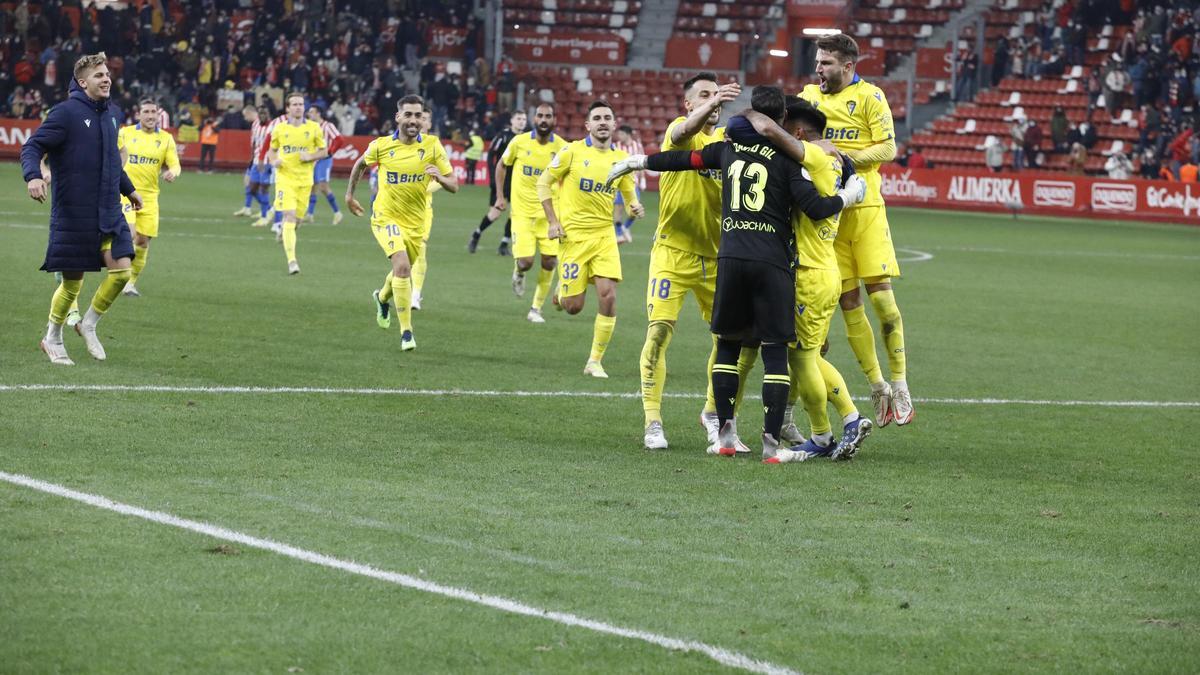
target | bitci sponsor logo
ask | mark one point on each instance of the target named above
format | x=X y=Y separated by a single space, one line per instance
x=1054 y=193
x=1114 y=197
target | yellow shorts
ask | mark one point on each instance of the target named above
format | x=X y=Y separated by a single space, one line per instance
x=143 y=221
x=393 y=239
x=579 y=261
x=292 y=197
x=864 y=244
x=817 y=294
x=427 y=226
x=529 y=237
x=674 y=272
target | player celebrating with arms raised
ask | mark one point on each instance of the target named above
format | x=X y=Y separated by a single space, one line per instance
x=589 y=244
x=859 y=122
x=407 y=160
x=295 y=147
x=147 y=152
x=528 y=155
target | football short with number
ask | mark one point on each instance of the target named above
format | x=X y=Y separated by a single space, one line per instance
x=322 y=169
x=674 y=272
x=864 y=244
x=144 y=221
x=291 y=196
x=395 y=238
x=581 y=260
x=817 y=292
x=754 y=300
x=530 y=236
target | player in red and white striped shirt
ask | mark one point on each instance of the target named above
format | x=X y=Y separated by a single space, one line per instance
x=258 y=175
x=260 y=157
x=323 y=167
x=622 y=221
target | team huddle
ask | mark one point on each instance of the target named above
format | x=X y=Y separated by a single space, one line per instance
x=771 y=222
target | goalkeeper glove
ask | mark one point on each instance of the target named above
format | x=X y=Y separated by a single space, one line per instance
x=854 y=191
x=627 y=165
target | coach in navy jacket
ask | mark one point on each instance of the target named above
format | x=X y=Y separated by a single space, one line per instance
x=79 y=138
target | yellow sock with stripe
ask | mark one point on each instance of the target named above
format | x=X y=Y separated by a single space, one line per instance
x=289 y=240
x=545 y=278
x=811 y=388
x=862 y=342
x=418 y=272
x=385 y=293
x=602 y=332
x=65 y=297
x=892 y=328
x=402 y=298
x=836 y=390
x=139 y=262
x=109 y=289
x=654 y=369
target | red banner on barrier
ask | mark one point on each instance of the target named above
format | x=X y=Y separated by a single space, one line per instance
x=710 y=53
x=1044 y=194
x=448 y=42
x=585 y=48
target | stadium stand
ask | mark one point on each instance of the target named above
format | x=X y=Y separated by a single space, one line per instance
x=730 y=21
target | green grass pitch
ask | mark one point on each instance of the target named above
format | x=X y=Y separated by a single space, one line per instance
x=1016 y=535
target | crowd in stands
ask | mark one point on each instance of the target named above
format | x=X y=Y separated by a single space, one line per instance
x=204 y=59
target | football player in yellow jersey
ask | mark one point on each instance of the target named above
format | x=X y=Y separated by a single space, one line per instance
x=859 y=123
x=588 y=252
x=407 y=161
x=684 y=256
x=421 y=264
x=147 y=152
x=527 y=156
x=295 y=146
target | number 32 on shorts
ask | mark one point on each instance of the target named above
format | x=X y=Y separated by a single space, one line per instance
x=570 y=271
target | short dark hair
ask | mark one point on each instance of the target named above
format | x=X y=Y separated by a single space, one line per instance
x=147 y=101
x=428 y=108
x=699 y=77
x=626 y=128
x=543 y=104
x=841 y=44
x=411 y=99
x=288 y=99
x=598 y=103
x=769 y=101
x=799 y=110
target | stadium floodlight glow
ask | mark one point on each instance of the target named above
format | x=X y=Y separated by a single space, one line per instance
x=779 y=52
x=821 y=31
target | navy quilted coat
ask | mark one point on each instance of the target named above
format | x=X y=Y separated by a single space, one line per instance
x=79 y=138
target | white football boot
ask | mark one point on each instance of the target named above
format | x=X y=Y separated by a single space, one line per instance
x=654 y=438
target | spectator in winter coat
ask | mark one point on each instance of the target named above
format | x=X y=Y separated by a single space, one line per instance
x=1119 y=167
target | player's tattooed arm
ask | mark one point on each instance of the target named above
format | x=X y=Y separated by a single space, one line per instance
x=699 y=117
x=356 y=173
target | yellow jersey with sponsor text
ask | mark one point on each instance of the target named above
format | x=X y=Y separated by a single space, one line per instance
x=403 y=195
x=527 y=158
x=146 y=155
x=585 y=203
x=856 y=117
x=814 y=239
x=289 y=140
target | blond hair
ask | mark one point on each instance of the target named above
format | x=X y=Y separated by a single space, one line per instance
x=89 y=62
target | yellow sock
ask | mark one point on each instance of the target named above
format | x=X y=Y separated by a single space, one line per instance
x=812 y=389
x=385 y=293
x=602 y=332
x=289 y=240
x=402 y=297
x=835 y=388
x=710 y=403
x=746 y=360
x=654 y=369
x=545 y=276
x=65 y=297
x=139 y=262
x=794 y=359
x=418 y=272
x=109 y=289
x=862 y=342
x=892 y=328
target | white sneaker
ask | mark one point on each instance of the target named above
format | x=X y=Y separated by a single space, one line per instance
x=902 y=408
x=293 y=267
x=881 y=400
x=774 y=453
x=790 y=434
x=337 y=217
x=87 y=331
x=727 y=442
x=655 y=439
x=518 y=283
x=131 y=290
x=594 y=369
x=535 y=316
x=57 y=352
x=712 y=427
x=738 y=445
x=416 y=301
x=261 y=222
x=244 y=211
x=73 y=318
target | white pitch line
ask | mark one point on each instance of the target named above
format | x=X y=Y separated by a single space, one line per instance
x=497 y=393
x=718 y=654
x=917 y=256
